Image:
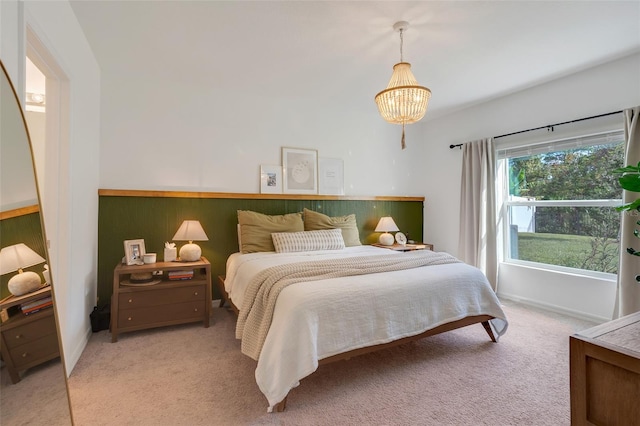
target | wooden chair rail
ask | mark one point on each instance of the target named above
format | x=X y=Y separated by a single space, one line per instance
x=248 y=196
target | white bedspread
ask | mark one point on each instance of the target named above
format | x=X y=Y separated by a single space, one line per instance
x=315 y=320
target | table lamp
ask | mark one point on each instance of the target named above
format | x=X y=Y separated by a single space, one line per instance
x=386 y=225
x=191 y=231
x=15 y=258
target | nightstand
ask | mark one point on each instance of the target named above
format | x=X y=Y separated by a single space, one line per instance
x=407 y=247
x=161 y=302
x=28 y=340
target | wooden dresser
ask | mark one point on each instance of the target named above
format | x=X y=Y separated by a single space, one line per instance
x=28 y=340
x=160 y=302
x=605 y=373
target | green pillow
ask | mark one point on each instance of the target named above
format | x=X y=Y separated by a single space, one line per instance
x=314 y=221
x=256 y=229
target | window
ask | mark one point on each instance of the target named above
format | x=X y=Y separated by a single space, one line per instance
x=559 y=202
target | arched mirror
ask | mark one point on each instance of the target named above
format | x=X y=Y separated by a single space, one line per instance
x=33 y=387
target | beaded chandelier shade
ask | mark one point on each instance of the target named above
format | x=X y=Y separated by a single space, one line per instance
x=403 y=101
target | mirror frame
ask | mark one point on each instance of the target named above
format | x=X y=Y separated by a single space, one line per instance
x=44 y=236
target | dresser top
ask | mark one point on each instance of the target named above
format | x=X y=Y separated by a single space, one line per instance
x=623 y=332
x=161 y=266
x=626 y=337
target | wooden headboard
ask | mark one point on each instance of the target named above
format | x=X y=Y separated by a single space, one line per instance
x=156 y=215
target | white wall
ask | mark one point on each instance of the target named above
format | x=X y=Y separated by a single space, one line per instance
x=609 y=87
x=163 y=131
x=75 y=270
x=17 y=182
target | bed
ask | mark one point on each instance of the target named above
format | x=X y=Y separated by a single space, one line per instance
x=334 y=313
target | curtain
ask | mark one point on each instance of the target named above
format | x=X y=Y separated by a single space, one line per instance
x=477 y=244
x=628 y=291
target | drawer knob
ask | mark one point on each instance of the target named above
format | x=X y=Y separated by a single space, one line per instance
x=24 y=355
x=195 y=310
x=129 y=319
x=18 y=336
x=130 y=300
x=195 y=293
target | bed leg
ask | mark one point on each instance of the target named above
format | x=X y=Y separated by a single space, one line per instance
x=280 y=406
x=489 y=331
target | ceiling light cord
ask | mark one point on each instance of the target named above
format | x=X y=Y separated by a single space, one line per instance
x=402 y=142
x=401 y=43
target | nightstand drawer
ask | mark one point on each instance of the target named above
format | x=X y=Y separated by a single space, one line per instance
x=42 y=348
x=174 y=312
x=140 y=299
x=26 y=333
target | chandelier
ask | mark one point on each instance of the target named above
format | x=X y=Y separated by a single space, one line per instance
x=403 y=101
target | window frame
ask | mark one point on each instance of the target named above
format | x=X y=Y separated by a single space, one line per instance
x=505 y=151
x=553 y=203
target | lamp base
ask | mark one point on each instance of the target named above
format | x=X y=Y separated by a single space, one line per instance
x=190 y=252
x=386 y=239
x=23 y=283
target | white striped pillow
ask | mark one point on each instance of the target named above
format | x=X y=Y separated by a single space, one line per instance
x=289 y=242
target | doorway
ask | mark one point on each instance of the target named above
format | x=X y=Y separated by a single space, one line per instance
x=47 y=104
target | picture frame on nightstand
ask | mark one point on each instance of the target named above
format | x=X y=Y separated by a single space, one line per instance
x=134 y=252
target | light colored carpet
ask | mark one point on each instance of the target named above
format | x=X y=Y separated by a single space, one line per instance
x=39 y=398
x=189 y=375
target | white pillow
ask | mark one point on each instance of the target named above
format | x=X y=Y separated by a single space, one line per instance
x=289 y=242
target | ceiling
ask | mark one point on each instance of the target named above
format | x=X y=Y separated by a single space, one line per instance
x=465 y=52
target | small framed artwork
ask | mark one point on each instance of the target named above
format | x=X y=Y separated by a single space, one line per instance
x=330 y=176
x=300 y=168
x=134 y=252
x=270 y=179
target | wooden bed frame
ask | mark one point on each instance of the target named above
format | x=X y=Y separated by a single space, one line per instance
x=482 y=319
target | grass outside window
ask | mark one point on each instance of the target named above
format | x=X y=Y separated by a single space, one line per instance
x=573 y=251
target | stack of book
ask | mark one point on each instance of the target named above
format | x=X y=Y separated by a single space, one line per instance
x=181 y=275
x=37 y=305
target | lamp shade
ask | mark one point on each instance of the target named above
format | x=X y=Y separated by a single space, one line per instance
x=386 y=225
x=14 y=258
x=18 y=256
x=191 y=231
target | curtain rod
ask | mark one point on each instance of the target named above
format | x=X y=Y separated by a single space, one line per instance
x=548 y=126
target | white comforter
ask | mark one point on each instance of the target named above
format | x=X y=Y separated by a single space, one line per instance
x=315 y=320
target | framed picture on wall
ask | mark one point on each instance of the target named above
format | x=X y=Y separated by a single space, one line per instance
x=270 y=179
x=330 y=176
x=300 y=168
x=134 y=252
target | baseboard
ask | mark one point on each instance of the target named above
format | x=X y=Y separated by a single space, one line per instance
x=72 y=358
x=554 y=308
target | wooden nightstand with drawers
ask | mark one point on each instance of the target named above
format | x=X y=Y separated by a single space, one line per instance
x=28 y=340
x=160 y=302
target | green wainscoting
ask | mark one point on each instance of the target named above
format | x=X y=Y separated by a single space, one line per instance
x=156 y=216
x=24 y=228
